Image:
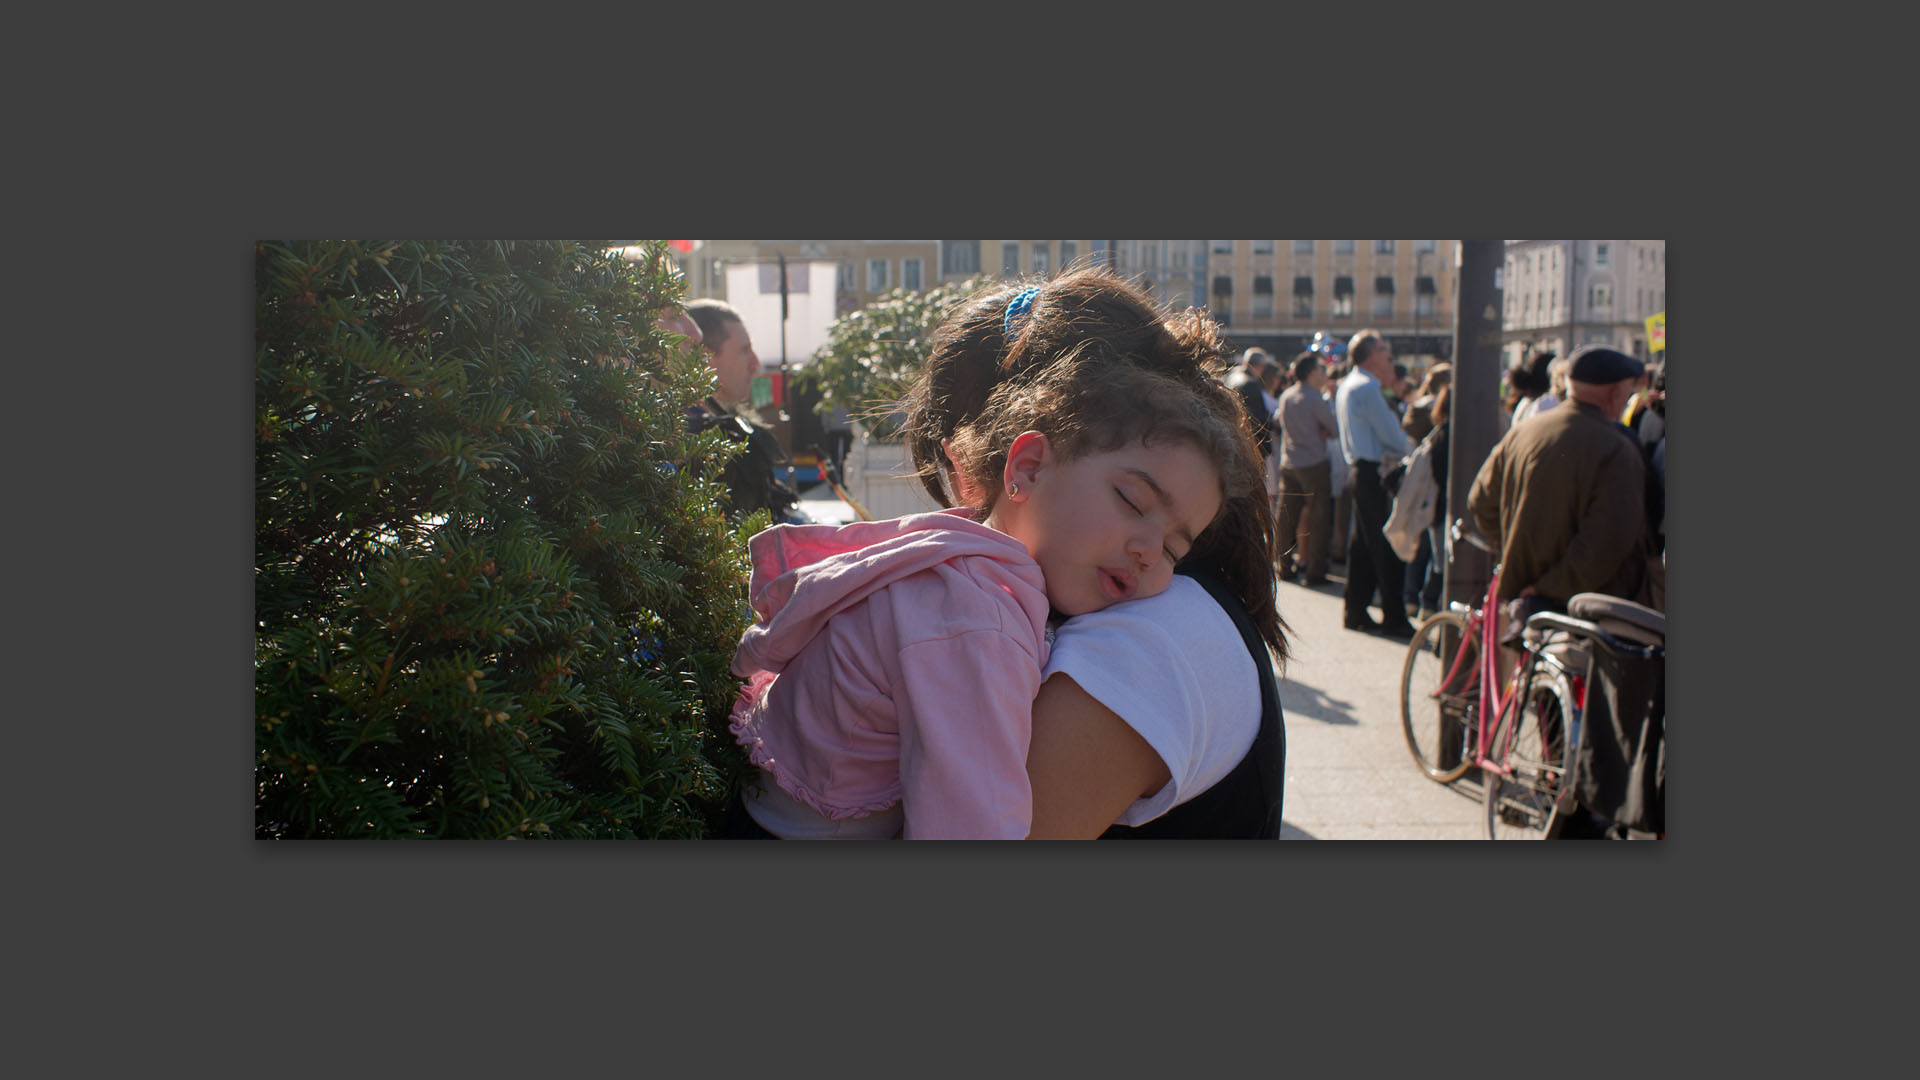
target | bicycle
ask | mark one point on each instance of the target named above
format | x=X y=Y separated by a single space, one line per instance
x=1451 y=693
x=1526 y=735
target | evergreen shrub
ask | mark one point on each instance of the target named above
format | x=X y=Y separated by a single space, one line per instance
x=872 y=355
x=496 y=594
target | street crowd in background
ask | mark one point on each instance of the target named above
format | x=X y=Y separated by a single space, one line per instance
x=1337 y=420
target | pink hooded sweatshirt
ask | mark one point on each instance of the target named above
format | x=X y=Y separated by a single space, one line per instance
x=896 y=662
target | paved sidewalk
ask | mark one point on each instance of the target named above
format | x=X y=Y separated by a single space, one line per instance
x=1349 y=775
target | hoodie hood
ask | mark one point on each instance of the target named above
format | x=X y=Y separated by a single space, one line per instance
x=803 y=575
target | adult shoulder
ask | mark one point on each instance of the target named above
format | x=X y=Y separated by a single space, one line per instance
x=1174 y=668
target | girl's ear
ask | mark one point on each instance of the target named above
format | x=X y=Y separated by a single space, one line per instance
x=1029 y=455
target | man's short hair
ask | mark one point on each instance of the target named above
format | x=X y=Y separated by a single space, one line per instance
x=1361 y=346
x=712 y=316
x=1303 y=366
x=1256 y=359
x=1530 y=375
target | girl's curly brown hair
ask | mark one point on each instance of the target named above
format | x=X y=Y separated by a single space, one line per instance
x=1092 y=316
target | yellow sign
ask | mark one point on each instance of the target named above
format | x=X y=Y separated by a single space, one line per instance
x=1657 y=332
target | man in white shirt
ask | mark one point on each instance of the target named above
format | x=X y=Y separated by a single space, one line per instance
x=1370 y=438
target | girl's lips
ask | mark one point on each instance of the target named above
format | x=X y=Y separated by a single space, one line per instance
x=1117 y=586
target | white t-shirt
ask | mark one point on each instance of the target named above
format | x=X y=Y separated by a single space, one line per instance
x=1176 y=670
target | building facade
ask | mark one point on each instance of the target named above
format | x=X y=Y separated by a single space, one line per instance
x=1274 y=294
x=1562 y=294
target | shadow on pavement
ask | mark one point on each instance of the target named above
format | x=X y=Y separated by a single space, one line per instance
x=1294 y=832
x=1298 y=699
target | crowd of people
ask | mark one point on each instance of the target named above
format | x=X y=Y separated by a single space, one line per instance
x=1572 y=505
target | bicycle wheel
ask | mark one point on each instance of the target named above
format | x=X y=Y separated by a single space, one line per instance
x=1533 y=741
x=1434 y=716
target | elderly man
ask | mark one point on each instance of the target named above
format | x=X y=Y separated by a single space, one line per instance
x=1370 y=435
x=1253 y=379
x=1562 y=497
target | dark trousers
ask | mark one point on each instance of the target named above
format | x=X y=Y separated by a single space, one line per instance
x=1371 y=563
x=1342 y=520
x=1306 y=519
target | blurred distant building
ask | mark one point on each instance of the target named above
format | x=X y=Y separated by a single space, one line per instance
x=1274 y=294
x=1562 y=294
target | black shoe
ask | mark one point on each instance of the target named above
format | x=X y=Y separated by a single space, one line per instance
x=1313 y=582
x=1401 y=630
x=1362 y=623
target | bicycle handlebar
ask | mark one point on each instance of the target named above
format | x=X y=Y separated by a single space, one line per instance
x=1459 y=531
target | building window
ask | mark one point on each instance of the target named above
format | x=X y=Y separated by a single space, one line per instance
x=876 y=275
x=910 y=274
x=1599 y=296
x=1423 y=296
x=1600 y=255
x=1343 y=247
x=1068 y=252
x=1150 y=255
x=1179 y=255
x=1263 y=247
x=961 y=257
x=1343 y=297
x=1223 y=247
x=846 y=275
x=1427 y=246
x=1263 y=298
x=1553 y=298
x=1303 y=297
x=1010 y=259
x=1383 y=247
x=1303 y=247
x=1040 y=255
x=1222 y=298
x=1382 y=297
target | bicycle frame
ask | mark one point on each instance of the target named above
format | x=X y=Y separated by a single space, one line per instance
x=1493 y=703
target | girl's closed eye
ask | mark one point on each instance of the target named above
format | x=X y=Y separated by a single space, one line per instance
x=1172 y=559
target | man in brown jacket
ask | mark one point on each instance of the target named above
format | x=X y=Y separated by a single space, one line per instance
x=1562 y=497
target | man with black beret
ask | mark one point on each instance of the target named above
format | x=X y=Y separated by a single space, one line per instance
x=1562 y=497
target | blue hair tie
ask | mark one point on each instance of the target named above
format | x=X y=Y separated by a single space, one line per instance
x=1018 y=308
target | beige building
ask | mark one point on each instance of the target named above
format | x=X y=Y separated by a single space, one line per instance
x=1271 y=293
x=1562 y=294
x=1278 y=293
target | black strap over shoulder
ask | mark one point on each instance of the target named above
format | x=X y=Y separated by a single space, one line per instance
x=1245 y=804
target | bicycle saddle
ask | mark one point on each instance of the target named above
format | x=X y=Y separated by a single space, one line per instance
x=1622 y=618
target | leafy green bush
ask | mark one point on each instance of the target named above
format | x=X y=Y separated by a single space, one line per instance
x=495 y=591
x=872 y=355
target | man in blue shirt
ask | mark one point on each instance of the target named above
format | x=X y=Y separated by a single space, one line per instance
x=1371 y=437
